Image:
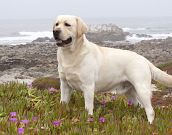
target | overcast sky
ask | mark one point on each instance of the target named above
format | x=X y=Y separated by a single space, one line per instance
x=19 y=9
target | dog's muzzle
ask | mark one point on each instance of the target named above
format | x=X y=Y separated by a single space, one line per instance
x=60 y=42
x=56 y=34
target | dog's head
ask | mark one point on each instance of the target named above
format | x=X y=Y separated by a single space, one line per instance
x=67 y=29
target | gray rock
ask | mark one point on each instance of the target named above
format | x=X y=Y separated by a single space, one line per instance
x=144 y=35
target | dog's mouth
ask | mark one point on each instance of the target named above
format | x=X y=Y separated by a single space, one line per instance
x=63 y=43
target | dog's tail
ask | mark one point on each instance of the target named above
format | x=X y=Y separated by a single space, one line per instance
x=160 y=76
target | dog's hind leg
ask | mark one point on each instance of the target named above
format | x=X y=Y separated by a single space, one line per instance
x=144 y=95
x=139 y=75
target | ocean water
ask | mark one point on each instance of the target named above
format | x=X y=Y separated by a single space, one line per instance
x=23 y=31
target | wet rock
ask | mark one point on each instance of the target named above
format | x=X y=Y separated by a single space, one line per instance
x=144 y=35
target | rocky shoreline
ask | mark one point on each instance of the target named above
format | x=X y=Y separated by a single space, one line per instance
x=28 y=61
x=38 y=59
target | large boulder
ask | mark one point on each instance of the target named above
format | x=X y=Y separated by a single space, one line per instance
x=106 y=32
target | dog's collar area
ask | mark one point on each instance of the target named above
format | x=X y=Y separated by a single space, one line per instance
x=62 y=43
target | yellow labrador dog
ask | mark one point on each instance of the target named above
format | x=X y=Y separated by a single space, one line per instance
x=84 y=66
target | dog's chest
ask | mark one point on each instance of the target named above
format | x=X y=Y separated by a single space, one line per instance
x=73 y=78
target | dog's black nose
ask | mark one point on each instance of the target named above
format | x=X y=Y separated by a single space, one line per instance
x=56 y=33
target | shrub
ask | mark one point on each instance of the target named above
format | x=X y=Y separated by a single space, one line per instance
x=46 y=82
x=166 y=67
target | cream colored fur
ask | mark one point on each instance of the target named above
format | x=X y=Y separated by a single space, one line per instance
x=84 y=66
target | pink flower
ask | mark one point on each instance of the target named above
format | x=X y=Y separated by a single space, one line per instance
x=52 y=90
x=34 y=118
x=102 y=120
x=113 y=98
x=103 y=103
x=13 y=119
x=25 y=121
x=20 y=131
x=29 y=85
x=90 y=119
x=56 y=123
x=13 y=114
x=130 y=102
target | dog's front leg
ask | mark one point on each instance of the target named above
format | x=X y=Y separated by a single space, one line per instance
x=89 y=98
x=66 y=91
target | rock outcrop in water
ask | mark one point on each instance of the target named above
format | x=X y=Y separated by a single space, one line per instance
x=143 y=35
x=106 y=32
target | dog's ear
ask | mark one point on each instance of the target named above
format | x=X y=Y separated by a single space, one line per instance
x=81 y=27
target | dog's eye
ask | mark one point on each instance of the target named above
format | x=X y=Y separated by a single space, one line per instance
x=67 y=24
x=57 y=24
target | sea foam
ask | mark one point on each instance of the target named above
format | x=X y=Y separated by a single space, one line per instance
x=127 y=29
x=133 y=38
x=25 y=37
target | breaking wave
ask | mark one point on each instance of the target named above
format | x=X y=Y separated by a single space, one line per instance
x=24 y=37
